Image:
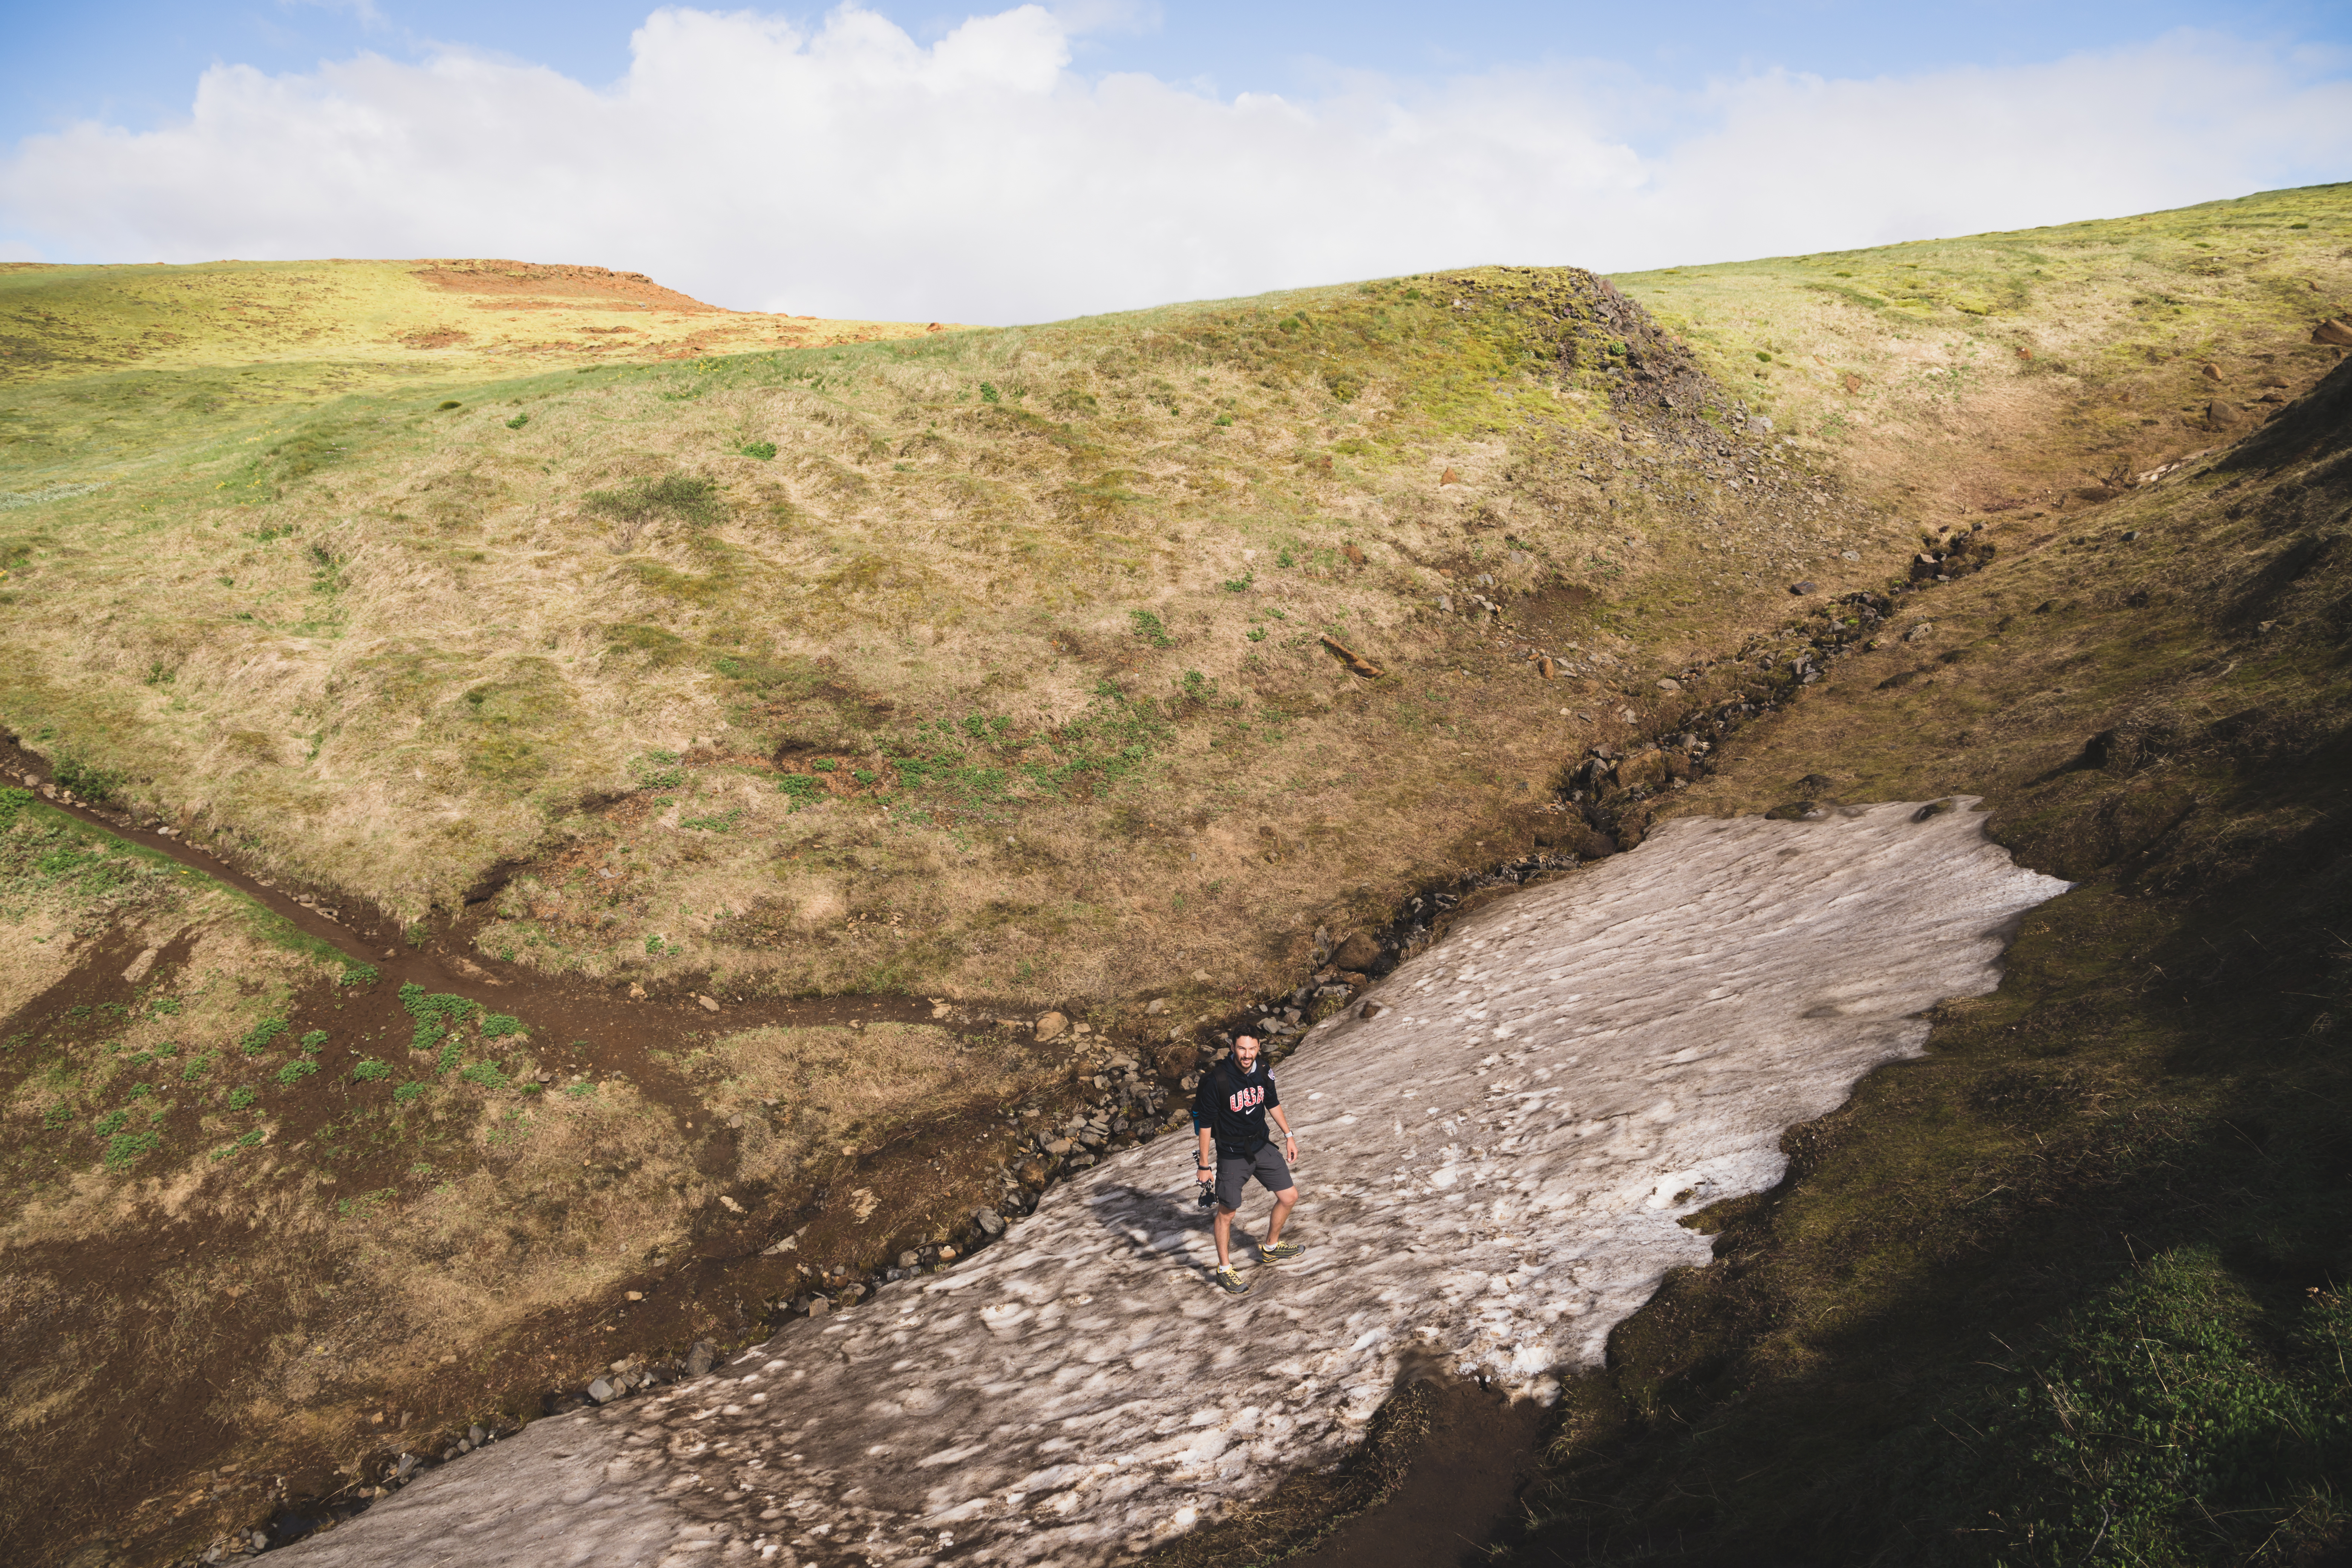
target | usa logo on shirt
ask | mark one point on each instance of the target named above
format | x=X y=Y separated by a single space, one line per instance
x=1247 y=1100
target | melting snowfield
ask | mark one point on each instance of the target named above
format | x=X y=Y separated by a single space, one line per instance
x=1492 y=1170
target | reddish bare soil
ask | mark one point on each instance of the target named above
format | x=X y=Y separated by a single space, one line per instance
x=520 y=284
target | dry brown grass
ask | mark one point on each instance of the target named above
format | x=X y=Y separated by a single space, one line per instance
x=455 y=655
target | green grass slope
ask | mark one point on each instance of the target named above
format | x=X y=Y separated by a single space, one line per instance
x=997 y=662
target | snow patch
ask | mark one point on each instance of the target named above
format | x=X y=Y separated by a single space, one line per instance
x=1628 y=1048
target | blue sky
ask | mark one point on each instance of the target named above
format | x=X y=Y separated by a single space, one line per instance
x=137 y=63
x=1021 y=162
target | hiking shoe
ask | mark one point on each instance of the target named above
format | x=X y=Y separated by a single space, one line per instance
x=1280 y=1251
x=1230 y=1282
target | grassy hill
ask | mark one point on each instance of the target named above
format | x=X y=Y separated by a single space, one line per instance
x=1003 y=673
x=1129 y=664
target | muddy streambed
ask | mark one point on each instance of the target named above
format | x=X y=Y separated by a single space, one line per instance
x=200 y=1346
x=1498 y=1148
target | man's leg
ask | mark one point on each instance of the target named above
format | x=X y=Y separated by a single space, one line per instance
x=1284 y=1202
x=1233 y=1175
x=1274 y=1174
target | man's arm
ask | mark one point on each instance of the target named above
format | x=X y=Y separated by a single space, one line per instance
x=1204 y=1122
x=1290 y=1138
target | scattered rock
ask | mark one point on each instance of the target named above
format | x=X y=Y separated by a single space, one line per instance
x=708 y=1005
x=1669 y=684
x=1546 y=668
x=602 y=1391
x=1448 y=478
x=701 y=1358
x=1157 y=1005
x=730 y=1205
x=819 y=1307
x=1921 y=632
x=1803 y=587
x=1646 y=769
x=1057 y=1146
x=1357 y=663
x=1051 y=1026
x=2208 y=372
x=2338 y=332
x=1360 y=952
x=637 y=992
x=139 y=966
x=1355 y=557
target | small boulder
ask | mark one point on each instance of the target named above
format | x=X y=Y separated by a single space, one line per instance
x=701 y=1358
x=709 y=1004
x=1051 y=1026
x=602 y=1391
x=1358 y=952
x=1647 y=769
x=2338 y=332
x=1804 y=588
x=1157 y=1005
x=989 y=1222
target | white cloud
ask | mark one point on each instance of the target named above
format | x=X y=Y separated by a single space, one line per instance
x=848 y=170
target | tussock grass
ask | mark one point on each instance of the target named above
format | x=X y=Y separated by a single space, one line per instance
x=441 y=649
x=2076 y=353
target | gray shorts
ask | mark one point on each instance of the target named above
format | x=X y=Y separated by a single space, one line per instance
x=1233 y=1172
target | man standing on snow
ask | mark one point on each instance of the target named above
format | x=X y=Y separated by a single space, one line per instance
x=1236 y=1097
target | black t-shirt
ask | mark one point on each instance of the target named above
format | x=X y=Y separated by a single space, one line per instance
x=1232 y=1105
